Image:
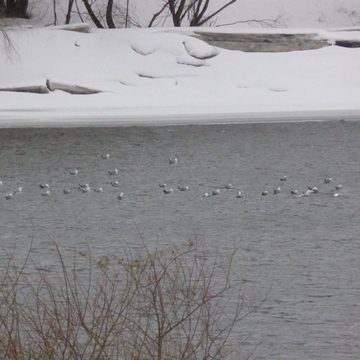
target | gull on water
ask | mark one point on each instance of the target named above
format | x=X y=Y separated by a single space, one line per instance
x=74 y=172
x=206 y=194
x=1 y=183
x=18 y=190
x=239 y=194
x=115 y=183
x=113 y=172
x=46 y=193
x=99 y=190
x=105 y=156
x=168 y=191
x=228 y=186
x=173 y=160
x=163 y=185
x=277 y=190
x=183 y=188
x=121 y=196
x=216 y=192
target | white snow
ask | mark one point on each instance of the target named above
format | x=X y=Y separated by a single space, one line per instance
x=148 y=76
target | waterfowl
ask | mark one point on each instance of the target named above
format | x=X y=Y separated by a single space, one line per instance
x=183 y=188
x=44 y=186
x=338 y=187
x=115 y=183
x=113 y=172
x=9 y=196
x=74 y=172
x=163 y=185
x=105 y=156
x=216 y=192
x=294 y=192
x=283 y=178
x=173 y=160
x=239 y=194
x=277 y=190
x=228 y=186
x=328 y=180
x=168 y=191
x=99 y=190
x=46 y=193
x=66 y=191
x=264 y=193
x=121 y=196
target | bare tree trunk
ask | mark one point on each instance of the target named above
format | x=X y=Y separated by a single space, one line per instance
x=127 y=14
x=92 y=15
x=68 y=14
x=109 y=17
x=55 y=13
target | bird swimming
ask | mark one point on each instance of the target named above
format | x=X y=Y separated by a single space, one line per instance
x=183 y=188
x=168 y=191
x=105 y=156
x=173 y=160
x=327 y=180
x=216 y=192
x=121 y=196
x=239 y=194
x=74 y=172
x=115 y=183
x=277 y=190
x=44 y=186
x=113 y=172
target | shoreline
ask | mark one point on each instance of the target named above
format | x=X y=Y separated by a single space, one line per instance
x=40 y=118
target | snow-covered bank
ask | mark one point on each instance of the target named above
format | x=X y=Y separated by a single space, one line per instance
x=160 y=76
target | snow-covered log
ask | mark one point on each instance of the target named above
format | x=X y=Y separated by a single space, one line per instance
x=70 y=88
x=81 y=27
x=199 y=49
x=38 y=89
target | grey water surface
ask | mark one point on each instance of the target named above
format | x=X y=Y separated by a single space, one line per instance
x=301 y=252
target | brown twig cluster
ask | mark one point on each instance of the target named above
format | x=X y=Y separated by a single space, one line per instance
x=172 y=304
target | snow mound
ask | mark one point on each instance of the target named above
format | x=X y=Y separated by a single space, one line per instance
x=199 y=49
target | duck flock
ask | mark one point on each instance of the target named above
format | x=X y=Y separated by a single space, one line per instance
x=216 y=190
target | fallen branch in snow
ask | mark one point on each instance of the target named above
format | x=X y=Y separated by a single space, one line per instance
x=40 y=89
x=190 y=61
x=71 y=89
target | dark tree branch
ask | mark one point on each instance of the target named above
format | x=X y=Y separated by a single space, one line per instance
x=202 y=22
x=156 y=15
x=92 y=14
x=109 y=16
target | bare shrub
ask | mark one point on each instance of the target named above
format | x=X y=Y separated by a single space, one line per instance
x=170 y=304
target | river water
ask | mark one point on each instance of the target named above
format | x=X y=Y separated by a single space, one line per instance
x=301 y=252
